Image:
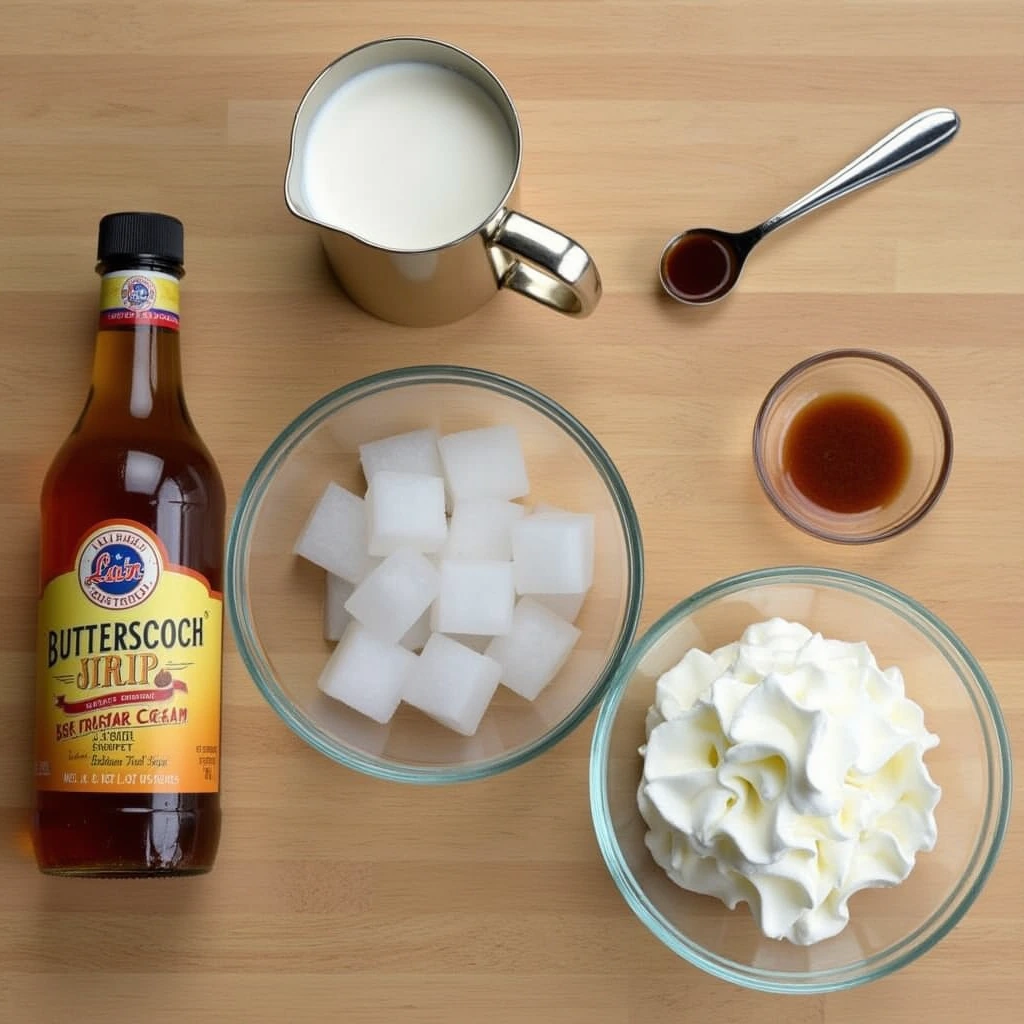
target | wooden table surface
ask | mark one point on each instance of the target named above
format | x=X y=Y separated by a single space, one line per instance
x=350 y=900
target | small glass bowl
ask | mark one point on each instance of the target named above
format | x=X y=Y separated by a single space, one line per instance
x=887 y=381
x=274 y=598
x=889 y=928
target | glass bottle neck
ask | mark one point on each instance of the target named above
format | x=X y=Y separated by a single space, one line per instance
x=136 y=374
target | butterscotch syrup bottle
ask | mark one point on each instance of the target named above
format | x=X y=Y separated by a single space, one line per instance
x=130 y=617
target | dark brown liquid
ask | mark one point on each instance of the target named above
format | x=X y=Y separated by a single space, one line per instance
x=700 y=267
x=846 y=453
x=106 y=834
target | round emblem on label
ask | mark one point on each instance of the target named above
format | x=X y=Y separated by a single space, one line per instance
x=118 y=567
x=138 y=293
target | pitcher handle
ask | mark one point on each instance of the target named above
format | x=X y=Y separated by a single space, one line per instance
x=539 y=262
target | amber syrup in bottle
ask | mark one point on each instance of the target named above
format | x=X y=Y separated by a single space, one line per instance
x=128 y=674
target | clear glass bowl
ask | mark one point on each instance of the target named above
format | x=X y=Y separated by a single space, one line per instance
x=888 y=927
x=912 y=402
x=274 y=599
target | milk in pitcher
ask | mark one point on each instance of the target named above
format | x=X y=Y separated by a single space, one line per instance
x=408 y=156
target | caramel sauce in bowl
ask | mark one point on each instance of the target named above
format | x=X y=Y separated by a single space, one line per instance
x=853 y=446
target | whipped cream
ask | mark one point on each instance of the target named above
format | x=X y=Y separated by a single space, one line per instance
x=786 y=771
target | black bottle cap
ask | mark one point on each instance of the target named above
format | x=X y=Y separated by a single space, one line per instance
x=156 y=235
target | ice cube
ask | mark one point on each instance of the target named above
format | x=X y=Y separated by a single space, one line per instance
x=543 y=509
x=405 y=510
x=484 y=463
x=565 y=606
x=414 y=452
x=336 y=618
x=418 y=634
x=482 y=528
x=553 y=554
x=474 y=643
x=391 y=599
x=474 y=597
x=367 y=673
x=452 y=684
x=536 y=648
x=334 y=536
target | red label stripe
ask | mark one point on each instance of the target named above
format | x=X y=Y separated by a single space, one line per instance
x=153 y=317
x=80 y=707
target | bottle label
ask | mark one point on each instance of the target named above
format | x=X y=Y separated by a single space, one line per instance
x=139 y=297
x=128 y=671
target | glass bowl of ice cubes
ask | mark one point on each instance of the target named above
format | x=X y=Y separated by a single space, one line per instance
x=433 y=574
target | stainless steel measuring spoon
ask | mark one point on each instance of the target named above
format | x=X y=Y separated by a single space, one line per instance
x=702 y=265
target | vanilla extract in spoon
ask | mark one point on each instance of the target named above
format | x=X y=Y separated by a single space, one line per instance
x=702 y=265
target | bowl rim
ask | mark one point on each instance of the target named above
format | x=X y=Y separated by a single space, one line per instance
x=979 y=866
x=801 y=368
x=257 y=484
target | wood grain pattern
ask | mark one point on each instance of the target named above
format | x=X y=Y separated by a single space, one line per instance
x=339 y=898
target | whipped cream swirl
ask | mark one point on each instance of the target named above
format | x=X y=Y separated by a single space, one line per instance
x=786 y=771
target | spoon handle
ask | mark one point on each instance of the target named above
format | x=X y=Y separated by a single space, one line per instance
x=911 y=142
